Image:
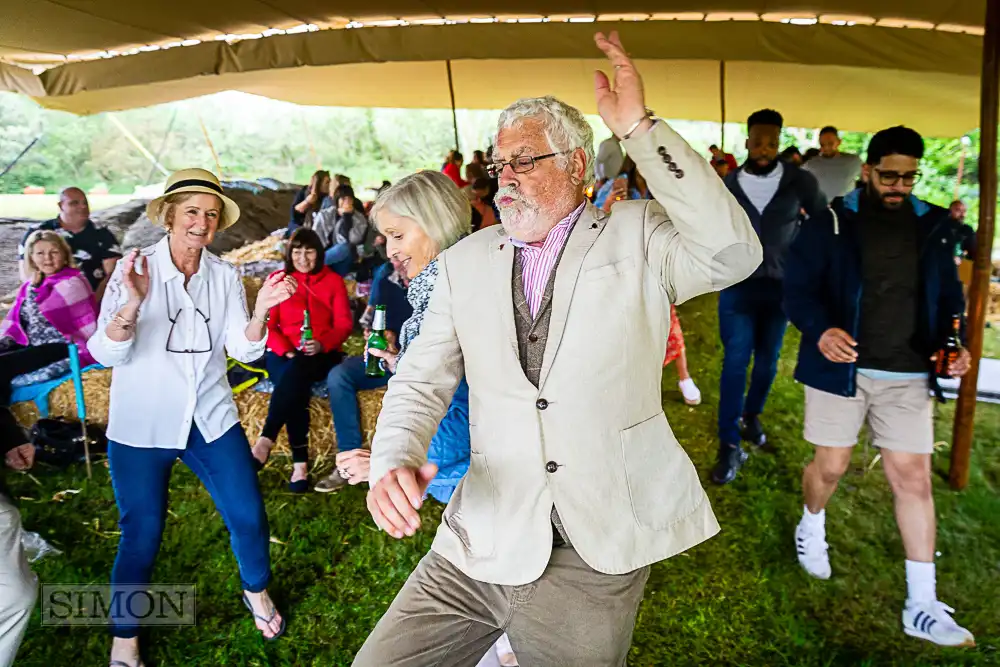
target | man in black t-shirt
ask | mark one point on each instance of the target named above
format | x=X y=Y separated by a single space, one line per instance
x=95 y=248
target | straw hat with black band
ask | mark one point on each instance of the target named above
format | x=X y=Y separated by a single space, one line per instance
x=197 y=181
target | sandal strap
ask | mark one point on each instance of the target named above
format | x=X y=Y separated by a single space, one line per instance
x=246 y=601
x=119 y=663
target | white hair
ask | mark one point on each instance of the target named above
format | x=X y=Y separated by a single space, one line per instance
x=565 y=128
x=433 y=201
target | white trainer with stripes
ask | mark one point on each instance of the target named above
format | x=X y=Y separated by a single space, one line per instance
x=811 y=547
x=932 y=621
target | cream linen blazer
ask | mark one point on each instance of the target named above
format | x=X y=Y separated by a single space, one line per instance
x=592 y=438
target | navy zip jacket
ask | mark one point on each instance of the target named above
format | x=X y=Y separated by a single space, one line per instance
x=779 y=223
x=823 y=283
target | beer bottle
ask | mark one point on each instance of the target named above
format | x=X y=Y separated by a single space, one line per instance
x=376 y=341
x=307 y=331
x=948 y=354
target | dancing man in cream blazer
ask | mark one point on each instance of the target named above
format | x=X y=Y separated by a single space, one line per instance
x=558 y=320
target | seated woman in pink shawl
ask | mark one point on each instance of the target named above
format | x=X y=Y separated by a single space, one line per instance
x=55 y=307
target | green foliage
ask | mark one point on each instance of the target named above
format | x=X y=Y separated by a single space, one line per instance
x=738 y=599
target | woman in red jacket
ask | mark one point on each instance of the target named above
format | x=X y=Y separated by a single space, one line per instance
x=295 y=359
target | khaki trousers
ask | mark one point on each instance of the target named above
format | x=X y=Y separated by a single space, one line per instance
x=571 y=616
x=18 y=585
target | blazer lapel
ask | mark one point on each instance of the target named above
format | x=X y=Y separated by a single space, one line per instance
x=579 y=243
x=501 y=274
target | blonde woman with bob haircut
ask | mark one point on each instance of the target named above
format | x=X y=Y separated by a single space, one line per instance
x=170 y=315
x=422 y=216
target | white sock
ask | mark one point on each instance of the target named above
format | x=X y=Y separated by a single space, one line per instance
x=921 y=582
x=814 y=521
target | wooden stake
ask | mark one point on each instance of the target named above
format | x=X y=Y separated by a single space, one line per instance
x=979 y=290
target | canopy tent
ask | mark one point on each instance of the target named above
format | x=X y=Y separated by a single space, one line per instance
x=912 y=64
x=852 y=63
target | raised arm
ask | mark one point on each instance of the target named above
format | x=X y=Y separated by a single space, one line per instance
x=698 y=238
x=117 y=325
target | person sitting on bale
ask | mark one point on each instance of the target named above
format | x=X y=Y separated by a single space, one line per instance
x=54 y=307
x=342 y=230
x=307 y=201
x=346 y=379
x=302 y=352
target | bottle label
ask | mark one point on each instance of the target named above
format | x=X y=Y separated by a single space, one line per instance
x=378 y=320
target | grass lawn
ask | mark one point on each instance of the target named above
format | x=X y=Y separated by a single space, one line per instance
x=46 y=207
x=739 y=599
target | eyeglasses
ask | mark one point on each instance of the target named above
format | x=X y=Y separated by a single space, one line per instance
x=173 y=322
x=888 y=178
x=522 y=164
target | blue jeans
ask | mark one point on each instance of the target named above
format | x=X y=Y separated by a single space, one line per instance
x=344 y=382
x=141 y=477
x=340 y=259
x=752 y=324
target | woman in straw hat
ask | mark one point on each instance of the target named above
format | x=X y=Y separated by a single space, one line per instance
x=170 y=315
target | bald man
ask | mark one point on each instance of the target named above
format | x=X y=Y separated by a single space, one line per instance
x=95 y=248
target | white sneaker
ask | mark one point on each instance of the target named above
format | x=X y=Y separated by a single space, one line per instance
x=932 y=621
x=811 y=547
x=690 y=391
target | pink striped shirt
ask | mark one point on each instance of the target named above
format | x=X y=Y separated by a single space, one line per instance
x=537 y=259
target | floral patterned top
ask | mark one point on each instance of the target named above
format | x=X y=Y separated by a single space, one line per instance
x=40 y=332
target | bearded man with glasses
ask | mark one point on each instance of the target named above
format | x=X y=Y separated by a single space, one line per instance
x=873 y=287
x=576 y=484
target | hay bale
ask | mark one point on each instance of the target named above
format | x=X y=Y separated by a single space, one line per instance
x=251 y=286
x=253 y=407
x=251 y=404
x=993 y=303
x=256 y=251
x=62 y=400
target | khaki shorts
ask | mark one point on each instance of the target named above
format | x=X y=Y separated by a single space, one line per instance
x=898 y=413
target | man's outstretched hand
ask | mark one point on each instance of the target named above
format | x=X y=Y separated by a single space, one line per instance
x=395 y=499
x=620 y=101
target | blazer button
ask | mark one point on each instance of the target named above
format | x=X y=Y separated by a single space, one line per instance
x=661 y=150
x=541 y=404
x=551 y=466
x=679 y=173
x=532 y=338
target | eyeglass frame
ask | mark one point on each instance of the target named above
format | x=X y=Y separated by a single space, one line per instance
x=498 y=166
x=173 y=322
x=913 y=177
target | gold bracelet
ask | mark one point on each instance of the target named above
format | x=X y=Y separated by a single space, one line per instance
x=122 y=322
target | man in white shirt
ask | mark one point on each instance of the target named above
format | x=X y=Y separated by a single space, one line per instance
x=836 y=172
x=751 y=320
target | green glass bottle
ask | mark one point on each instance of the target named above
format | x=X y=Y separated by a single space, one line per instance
x=377 y=341
x=307 y=330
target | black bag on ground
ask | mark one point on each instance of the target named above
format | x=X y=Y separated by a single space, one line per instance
x=57 y=441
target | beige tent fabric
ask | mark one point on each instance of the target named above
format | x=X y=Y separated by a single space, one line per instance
x=856 y=77
x=43 y=30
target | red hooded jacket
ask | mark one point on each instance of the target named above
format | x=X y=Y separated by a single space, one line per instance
x=325 y=295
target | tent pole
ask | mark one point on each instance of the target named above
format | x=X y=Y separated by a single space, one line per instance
x=20 y=155
x=211 y=147
x=989 y=99
x=138 y=145
x=454 y=113
x=163 y=146
x=722 y=104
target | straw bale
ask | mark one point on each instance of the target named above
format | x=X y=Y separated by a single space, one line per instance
x=322 y=439
x=252 y=285
x=62 y=400
x=993 y=304
x=251 y=404
x=256 y=251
